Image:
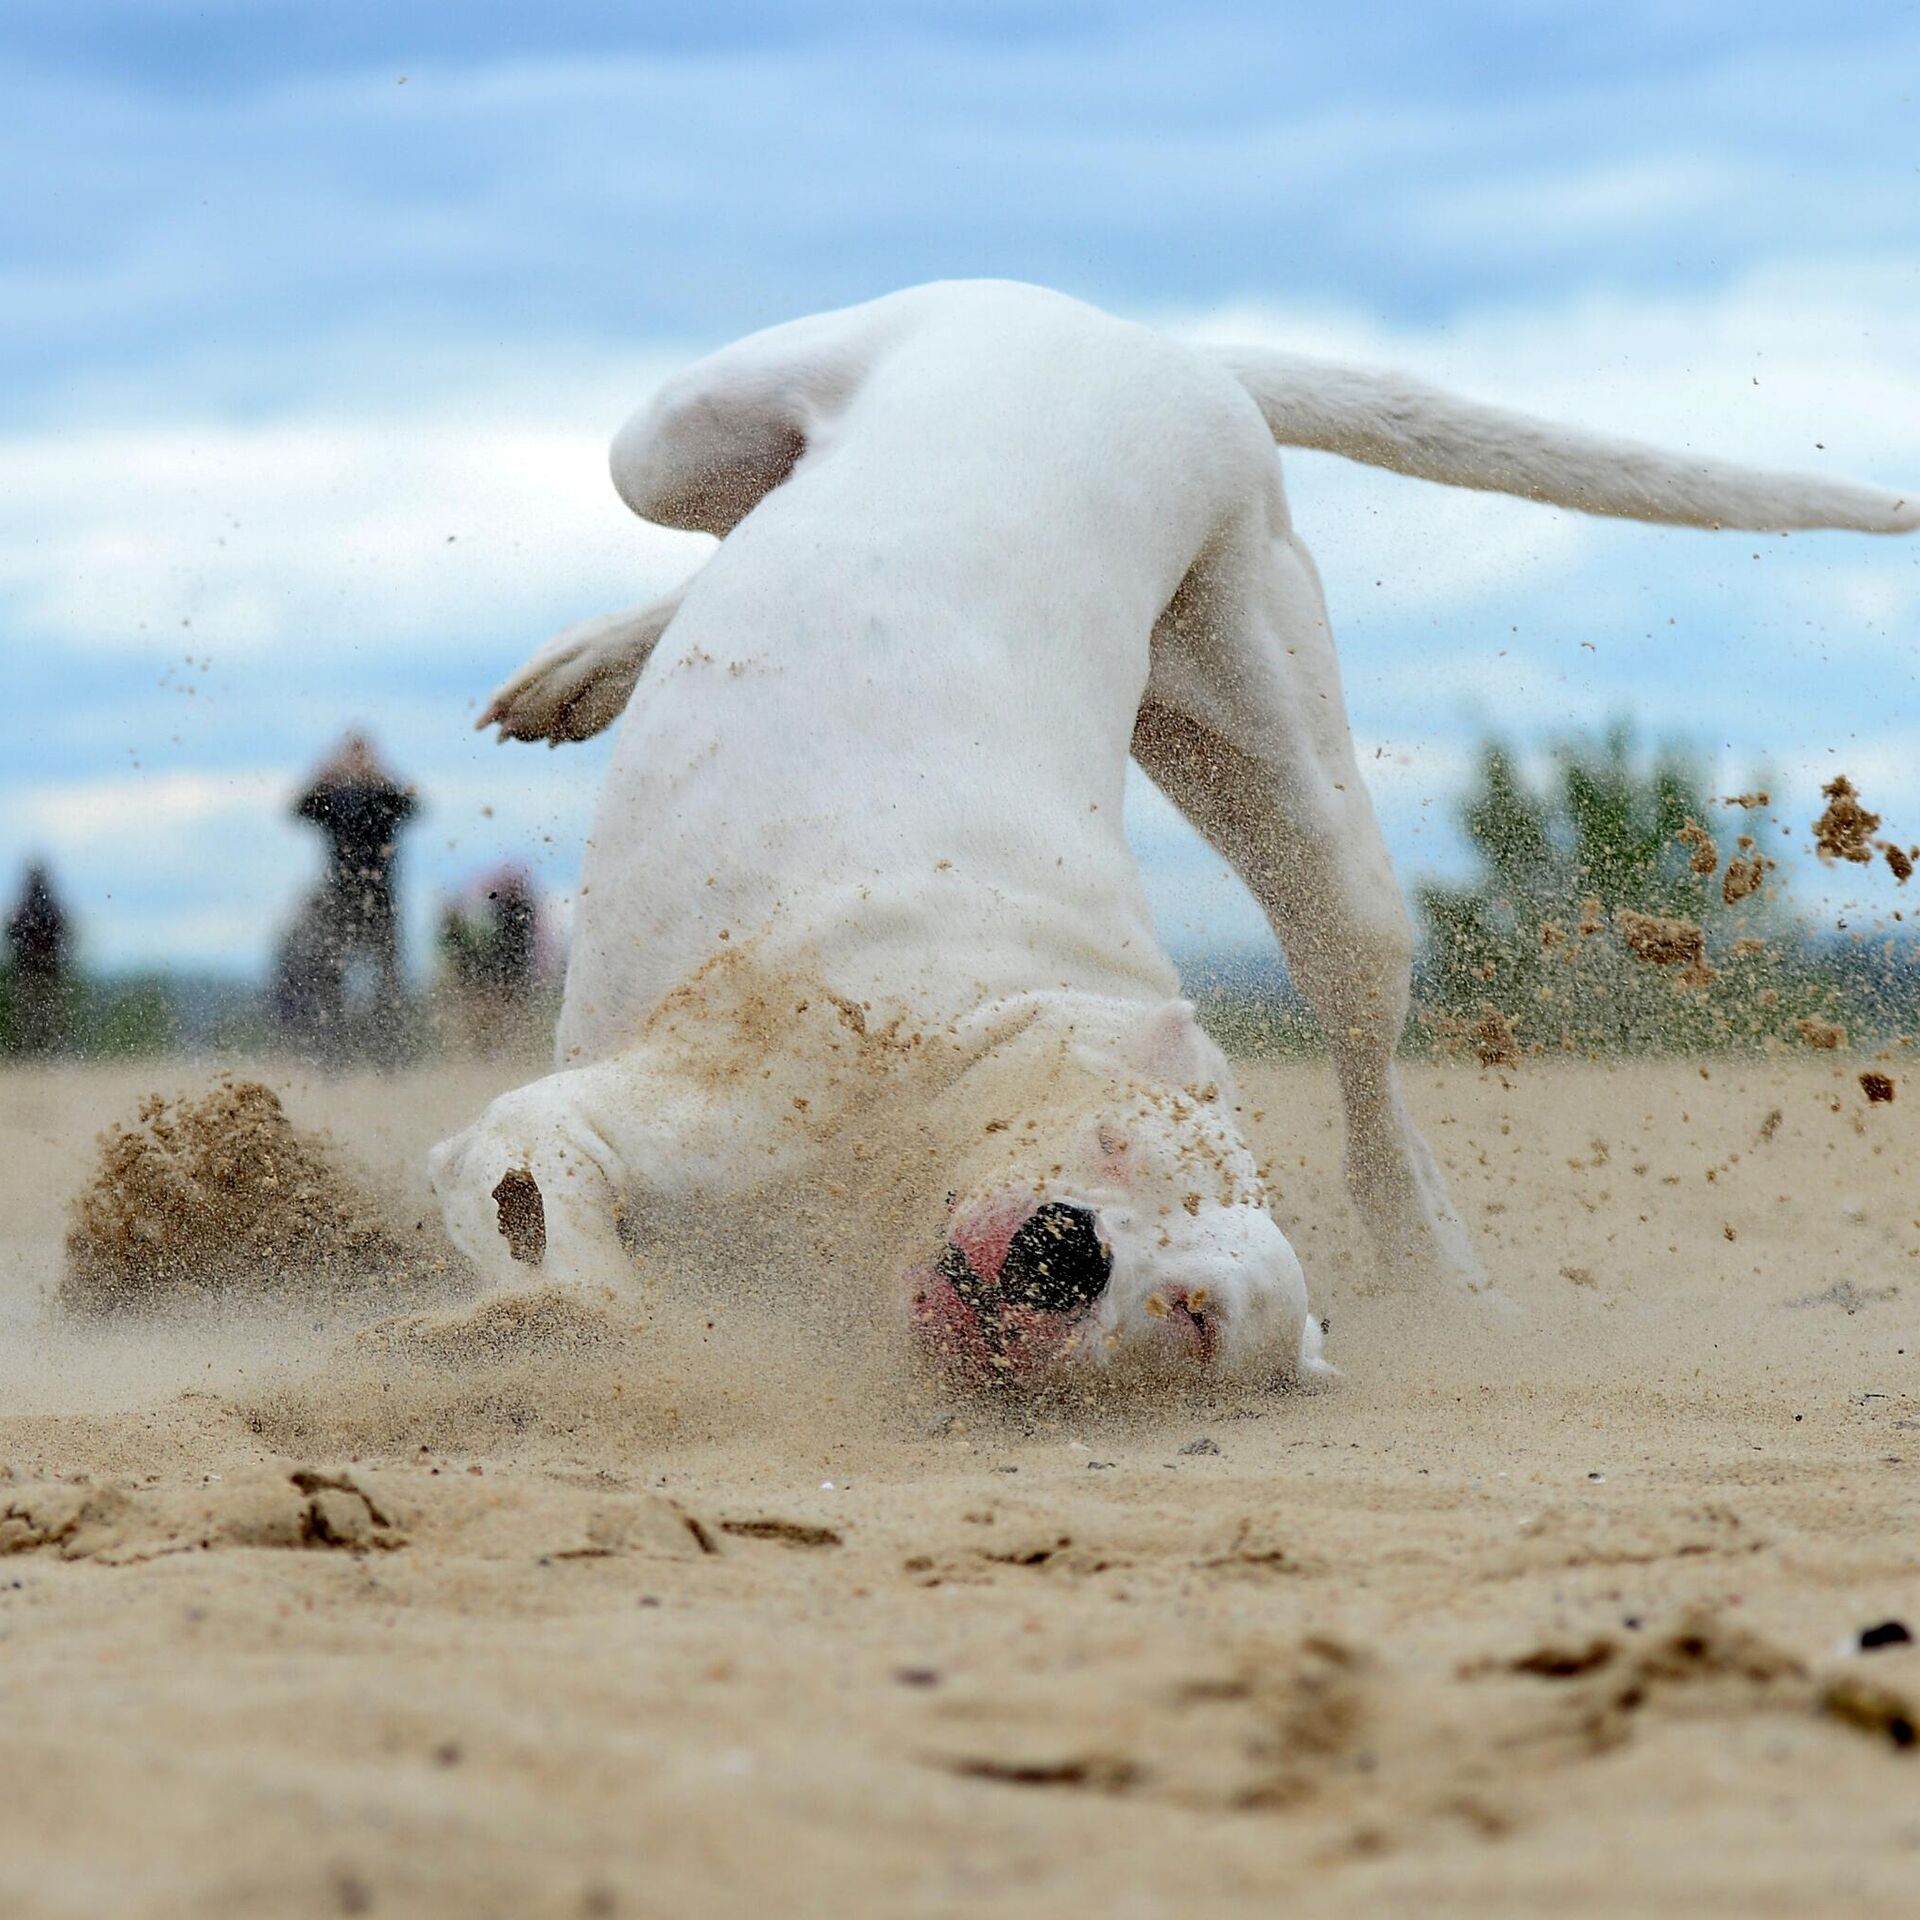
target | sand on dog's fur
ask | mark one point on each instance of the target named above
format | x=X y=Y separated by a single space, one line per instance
x=685 y=1602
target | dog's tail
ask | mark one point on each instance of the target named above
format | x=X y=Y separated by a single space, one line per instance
x=1390 y=420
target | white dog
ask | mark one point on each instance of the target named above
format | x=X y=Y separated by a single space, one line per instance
x=861 y=944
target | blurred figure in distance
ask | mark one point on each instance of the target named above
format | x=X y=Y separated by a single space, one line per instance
x=39 y=938
x=350 y=925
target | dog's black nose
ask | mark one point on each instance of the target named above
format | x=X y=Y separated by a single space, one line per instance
x=1056 y=1262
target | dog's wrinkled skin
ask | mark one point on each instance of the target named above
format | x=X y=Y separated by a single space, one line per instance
x=857 y=889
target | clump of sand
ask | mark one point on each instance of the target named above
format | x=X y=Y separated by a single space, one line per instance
x=1746 y=873
x=1665 y=942
x=222 y=1197
x=1703 y=853
x=1494 y=1044
x=1845 y=831
x=1828 y=1035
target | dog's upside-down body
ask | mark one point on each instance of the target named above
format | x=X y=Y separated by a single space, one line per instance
x=858 y=925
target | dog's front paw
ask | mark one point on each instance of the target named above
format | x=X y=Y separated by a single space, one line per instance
x=577 y=685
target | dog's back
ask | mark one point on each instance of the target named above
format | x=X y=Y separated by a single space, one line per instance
x=887 y=731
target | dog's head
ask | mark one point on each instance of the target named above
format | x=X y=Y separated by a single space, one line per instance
x=1121 y=1226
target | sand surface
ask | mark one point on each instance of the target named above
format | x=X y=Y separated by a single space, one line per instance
x=1543 y=1609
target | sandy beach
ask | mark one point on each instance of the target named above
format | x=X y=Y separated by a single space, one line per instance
x=681 y=1608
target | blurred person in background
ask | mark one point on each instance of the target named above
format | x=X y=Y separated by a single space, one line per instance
x=514 y=912
x=39 y=939
x=350 y=925
x=490 y=963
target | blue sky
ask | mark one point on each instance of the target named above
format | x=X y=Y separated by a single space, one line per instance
x=314 y=322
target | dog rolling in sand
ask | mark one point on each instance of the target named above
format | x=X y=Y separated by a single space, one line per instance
x=861 y=949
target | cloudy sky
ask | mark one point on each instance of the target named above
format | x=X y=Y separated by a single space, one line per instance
x=314 y=322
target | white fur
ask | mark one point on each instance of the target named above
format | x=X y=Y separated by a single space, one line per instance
x=1391 y=420
x=978 y=542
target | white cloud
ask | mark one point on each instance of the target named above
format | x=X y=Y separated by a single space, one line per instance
x=126 y=810
x=411 y=530
x=1551 y=210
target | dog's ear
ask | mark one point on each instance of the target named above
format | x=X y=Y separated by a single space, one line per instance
x=1171 y=1048
x=718 y=438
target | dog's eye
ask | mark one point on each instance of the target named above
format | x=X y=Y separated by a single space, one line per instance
x=1057 y=1262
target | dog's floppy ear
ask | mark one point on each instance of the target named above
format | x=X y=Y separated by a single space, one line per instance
x=718 y=438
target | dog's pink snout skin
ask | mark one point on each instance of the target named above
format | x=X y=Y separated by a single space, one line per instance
x=1023 y=1341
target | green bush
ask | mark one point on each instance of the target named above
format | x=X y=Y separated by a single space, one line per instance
x=119 y=1019
x=1611 y=856
x=1607 y=915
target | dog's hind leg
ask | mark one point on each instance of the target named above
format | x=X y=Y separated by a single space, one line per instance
x=1244 y=729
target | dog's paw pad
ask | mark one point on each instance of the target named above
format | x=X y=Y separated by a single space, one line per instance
x=522 y=1215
